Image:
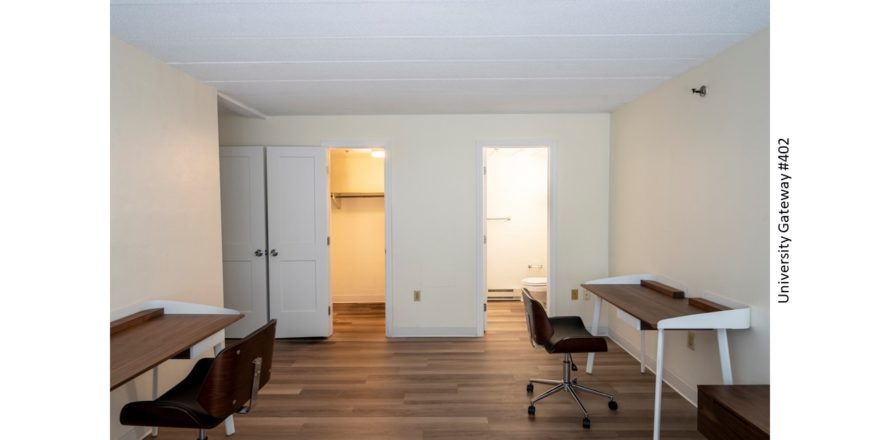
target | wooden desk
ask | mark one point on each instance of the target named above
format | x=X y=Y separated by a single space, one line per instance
x=734 y=412
x=644 y=304
x=150 y=342
x=647 y=305
x=145 y=335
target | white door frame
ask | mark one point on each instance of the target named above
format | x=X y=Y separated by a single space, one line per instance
x=383 y=144
x=481 y=219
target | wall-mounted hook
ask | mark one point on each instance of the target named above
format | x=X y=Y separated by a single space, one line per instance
x=701 y=91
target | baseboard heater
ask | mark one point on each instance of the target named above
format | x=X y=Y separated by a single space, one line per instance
x=501 y=294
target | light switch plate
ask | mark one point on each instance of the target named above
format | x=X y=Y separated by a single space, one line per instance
x=574 y=294
x=691 y=336
x=417 y=295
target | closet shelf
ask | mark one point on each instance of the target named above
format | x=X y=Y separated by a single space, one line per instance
x=336 y=196
x=351 y=195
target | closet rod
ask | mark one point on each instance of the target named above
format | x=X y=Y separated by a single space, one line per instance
x=354 y=195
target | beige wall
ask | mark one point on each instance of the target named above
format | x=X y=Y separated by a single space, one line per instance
x=164 y=197
x=689 y=179
x=357 y=228
x=433 y=193
x=355 y=170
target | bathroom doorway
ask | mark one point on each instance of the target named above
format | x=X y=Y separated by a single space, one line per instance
x=515 y=223
x=357 y=238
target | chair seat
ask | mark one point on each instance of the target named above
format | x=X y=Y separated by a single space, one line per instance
x=571 y=336
x=177 y=408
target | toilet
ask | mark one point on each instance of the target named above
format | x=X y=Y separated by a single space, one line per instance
x=537 y=287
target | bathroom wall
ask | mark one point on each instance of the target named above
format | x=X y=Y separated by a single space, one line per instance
x=516 y=187
x=357 y=228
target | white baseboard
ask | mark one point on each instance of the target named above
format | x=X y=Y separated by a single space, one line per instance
x=603 y=331
x=674 y=381
x=135 y=433
x=358 y=299
x=433 y=332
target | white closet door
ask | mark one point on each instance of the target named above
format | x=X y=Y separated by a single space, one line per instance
x=299 y=294
x=243 y=215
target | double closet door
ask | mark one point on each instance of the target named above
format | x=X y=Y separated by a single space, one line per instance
x=274 y=203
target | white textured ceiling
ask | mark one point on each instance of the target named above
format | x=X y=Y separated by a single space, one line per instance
x=294 y=57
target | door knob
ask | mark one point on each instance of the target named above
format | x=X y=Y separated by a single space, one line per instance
x=258 y=252
x=274 y=253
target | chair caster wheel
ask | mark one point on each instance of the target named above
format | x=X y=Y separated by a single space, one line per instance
x=531 y=410
x=586 y=423
x=530 y=388
x=575 y=380
x=574 y=367
x=612 y=405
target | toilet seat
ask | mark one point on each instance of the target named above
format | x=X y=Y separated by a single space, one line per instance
x=535 y=284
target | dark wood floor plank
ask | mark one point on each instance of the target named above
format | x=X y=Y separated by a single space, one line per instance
x=359 y=384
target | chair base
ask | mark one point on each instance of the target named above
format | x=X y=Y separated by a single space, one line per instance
x=570 y=385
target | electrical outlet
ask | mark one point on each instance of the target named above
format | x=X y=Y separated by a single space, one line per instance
x=417 y=295
x=691 y=336
x=574 y=294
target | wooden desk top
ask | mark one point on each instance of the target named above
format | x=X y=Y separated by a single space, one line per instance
x=141 y=347
x=647 y=305
x=739 y=411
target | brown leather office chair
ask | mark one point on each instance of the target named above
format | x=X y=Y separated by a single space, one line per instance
x=566 y=335
x=214 y=389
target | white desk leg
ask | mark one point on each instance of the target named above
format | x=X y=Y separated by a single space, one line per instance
x=642 y=351
x=154 y=431
x=229 y=423
x=594 y=329
x=724 y=353
x=658 y=388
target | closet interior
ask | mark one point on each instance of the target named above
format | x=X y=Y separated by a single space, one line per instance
x=357 y=231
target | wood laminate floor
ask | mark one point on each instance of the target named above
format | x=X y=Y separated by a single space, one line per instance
x=359 y=385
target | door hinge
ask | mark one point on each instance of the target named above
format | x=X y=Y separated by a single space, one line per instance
x=328 y=310
x=484 y=239
x=484 y=307
x=484 y=171
x=328 y=240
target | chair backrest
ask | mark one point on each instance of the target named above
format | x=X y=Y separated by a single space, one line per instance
x=540 y=329
x=229 y=382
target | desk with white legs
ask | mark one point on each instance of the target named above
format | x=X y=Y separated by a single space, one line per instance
x=145 y=335
x=646 y=304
